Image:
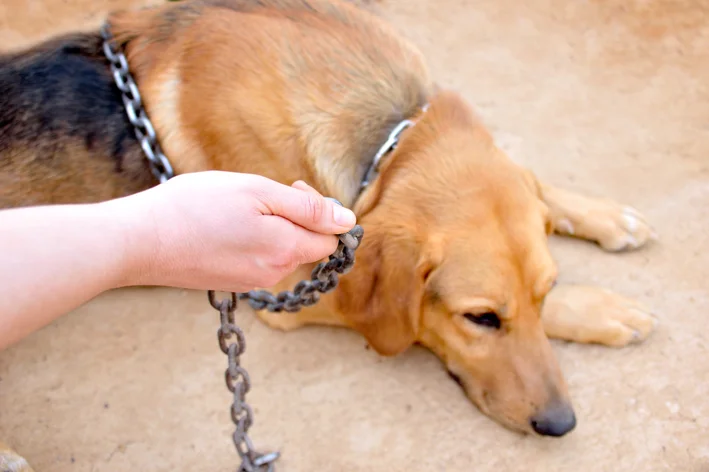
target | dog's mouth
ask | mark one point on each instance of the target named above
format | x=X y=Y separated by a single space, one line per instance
x=456 y=378
x=481 y=400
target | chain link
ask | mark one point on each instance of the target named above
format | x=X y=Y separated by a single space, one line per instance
x=133 y=103
x=323 y=279
x=238 y=382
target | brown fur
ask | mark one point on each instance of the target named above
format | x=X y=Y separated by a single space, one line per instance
x=309 y=89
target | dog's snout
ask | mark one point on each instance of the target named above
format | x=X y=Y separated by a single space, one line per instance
x=556 y=420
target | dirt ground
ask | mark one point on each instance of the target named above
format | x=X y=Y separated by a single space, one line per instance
x=607 y=97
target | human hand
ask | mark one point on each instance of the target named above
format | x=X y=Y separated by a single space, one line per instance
x=228 y=231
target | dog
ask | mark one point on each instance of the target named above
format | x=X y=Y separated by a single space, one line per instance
x=455 y=254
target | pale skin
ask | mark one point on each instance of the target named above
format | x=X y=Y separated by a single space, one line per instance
x=206 y=231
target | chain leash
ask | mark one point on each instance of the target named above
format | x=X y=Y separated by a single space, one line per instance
x=133 y=103
x=323 y=279
x=239 y=383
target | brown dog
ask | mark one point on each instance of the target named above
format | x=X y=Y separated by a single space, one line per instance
x=455 y=252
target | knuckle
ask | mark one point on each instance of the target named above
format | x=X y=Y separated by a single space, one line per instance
x=287 y=257
x=314 y=207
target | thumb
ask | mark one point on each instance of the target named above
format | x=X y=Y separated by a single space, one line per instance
x=304 y=206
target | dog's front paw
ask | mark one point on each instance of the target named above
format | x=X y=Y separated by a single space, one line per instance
x=595 y=315
x=10 y=461
x=613 y=226
x=618 y=227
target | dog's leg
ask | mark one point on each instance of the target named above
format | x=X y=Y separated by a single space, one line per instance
x=595 y=315
x=10 y=461
x=613 y=226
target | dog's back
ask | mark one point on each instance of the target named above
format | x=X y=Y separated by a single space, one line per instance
x=312 y=86
x=63 y=127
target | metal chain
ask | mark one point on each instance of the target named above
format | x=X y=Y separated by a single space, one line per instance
x=144 y=130
x=324 y=278
x=239 y=383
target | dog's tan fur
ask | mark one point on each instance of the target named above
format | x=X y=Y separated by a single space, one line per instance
x=309 y=89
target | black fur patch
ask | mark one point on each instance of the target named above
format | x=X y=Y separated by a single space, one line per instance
x=64 y=133
x=62 y=89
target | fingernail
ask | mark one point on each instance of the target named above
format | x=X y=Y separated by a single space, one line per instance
x=343 y=217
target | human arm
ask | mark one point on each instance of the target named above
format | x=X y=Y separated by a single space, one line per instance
x=209 y=230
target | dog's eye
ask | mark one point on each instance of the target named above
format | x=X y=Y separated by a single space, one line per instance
x=489 y=319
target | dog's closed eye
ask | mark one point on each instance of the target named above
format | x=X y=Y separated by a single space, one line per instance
x=489 y=319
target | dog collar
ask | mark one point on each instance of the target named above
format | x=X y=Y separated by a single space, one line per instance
x=389 y=145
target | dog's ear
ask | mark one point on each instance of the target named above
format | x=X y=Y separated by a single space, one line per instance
x=381 y=297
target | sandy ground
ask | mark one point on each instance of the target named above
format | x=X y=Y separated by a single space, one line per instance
x=607 y=97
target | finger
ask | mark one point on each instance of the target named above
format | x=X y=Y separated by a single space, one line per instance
x=300 y=185
x=294 y=245
x=309 y=209
x=312 y=247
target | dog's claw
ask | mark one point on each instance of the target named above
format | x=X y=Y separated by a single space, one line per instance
x=621 y=228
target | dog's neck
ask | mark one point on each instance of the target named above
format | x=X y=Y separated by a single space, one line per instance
x=386 y=150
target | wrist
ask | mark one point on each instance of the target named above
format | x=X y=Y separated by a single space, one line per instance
x=135 y=240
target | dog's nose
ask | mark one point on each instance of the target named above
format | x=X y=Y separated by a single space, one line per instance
x=555 y=420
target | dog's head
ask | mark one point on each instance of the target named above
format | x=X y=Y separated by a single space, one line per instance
x=455 y=257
